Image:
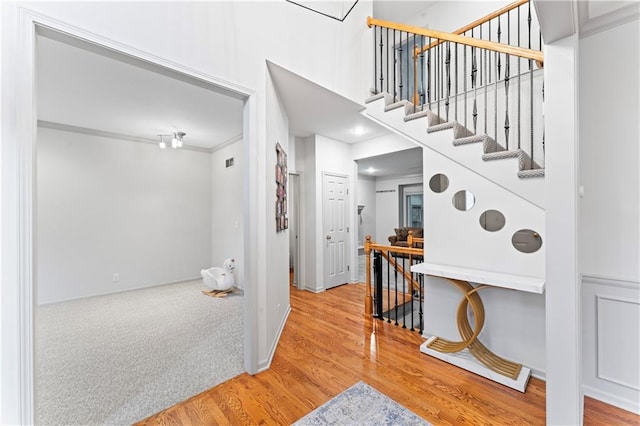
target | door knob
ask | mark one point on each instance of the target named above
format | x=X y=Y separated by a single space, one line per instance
x=328 y=237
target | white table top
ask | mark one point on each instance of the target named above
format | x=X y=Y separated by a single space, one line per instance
x=497 y=279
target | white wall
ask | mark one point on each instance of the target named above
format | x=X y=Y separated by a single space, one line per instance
x=609 y=229
x=108 y=206
x=227 y=226
x=515 y=320
x=366 y=193
x=213 y=39
x=388 y=205
x=277 y=249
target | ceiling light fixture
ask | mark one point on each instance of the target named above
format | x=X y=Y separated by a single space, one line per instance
x=358 y=131
x=176 y=140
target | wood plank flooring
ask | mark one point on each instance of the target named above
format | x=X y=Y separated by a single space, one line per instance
x=328 y=345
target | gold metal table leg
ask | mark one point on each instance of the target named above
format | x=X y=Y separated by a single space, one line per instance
x=470 y=335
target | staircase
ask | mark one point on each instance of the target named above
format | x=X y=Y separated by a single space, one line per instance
x=468 y=95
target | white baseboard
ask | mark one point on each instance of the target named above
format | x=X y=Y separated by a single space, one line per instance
x=124 y=290
x=265 y=364
x=609 y=398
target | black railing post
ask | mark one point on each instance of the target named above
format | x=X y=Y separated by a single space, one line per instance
x=375 y=61
x=395 y=62
x=381 y=63
x=377 y=273
x=404 y=292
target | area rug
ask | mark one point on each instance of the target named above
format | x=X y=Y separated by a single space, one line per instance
x=361 y=405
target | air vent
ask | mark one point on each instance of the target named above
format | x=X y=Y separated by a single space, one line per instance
x=228 y=162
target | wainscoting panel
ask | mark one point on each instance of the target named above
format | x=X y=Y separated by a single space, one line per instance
x=611 y=341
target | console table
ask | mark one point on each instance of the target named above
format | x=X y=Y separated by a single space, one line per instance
x=469 y=353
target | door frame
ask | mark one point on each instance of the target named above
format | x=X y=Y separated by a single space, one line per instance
x=296 y=196
x=19 y=136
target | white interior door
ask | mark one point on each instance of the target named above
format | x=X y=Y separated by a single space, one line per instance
x=335 y=226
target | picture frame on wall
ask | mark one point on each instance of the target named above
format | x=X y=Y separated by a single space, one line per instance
x=281 y=175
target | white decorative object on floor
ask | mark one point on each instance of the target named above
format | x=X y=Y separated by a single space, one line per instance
x=220 y=278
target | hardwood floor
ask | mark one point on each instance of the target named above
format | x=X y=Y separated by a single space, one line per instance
x=328 y=345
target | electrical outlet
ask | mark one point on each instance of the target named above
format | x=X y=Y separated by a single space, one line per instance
x=116 y=278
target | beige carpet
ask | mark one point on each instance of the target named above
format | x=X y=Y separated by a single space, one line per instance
x=119 y=358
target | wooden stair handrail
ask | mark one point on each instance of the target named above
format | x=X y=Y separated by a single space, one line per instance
x=476 y=23
x=368 y=247
x=522 y=52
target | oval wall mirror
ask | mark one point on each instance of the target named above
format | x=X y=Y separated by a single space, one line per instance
x=464 y=200
x=526 y=241
x=439 y=183
x=492 y=220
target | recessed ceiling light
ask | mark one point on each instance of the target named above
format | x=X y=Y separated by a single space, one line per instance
x=358 y=131
x=371 y=170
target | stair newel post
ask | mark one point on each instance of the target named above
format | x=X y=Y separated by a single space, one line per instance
x=381 y=63
x=368 y=298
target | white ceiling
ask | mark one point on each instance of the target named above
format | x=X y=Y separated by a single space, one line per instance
x=312 y=109
x=84 y=88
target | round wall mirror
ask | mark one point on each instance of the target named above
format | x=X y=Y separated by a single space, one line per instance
x=492 y=220
x=463 y=200
x=526 y=241
x=439 y=183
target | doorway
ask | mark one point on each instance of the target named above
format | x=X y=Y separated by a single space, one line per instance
x=294 y=231
x=134 y=144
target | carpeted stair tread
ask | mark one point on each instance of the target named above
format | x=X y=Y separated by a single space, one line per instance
x=440 y=127
x=416 y=115
x=515 y=153
x=395 y=105
x=374 y=98
x=470 y=139
x=534 y=173
x=523 y=158
x=488 y=144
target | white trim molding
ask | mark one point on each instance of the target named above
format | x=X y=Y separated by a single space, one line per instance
x=611 y=340
x=19 y=134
